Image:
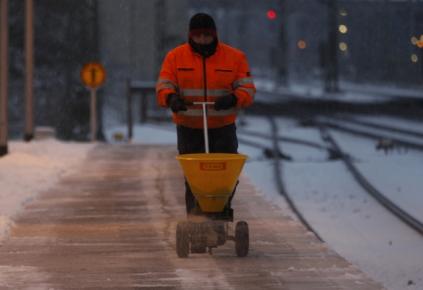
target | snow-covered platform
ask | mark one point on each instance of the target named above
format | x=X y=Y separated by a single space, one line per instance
x=112 y=225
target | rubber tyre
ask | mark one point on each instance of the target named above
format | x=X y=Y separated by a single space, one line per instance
x=182 y=240
x=242 y=239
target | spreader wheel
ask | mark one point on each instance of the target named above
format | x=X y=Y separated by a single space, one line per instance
x=182 y=239
x=242 y=239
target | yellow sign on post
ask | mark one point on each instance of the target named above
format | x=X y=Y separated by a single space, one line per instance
x=93 y=75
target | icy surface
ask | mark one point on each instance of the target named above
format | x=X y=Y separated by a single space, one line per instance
x=31 y=168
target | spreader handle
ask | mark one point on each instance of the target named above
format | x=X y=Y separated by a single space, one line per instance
x=200 y=103
x=206 y=135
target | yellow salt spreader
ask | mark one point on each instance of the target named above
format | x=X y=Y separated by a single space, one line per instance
x=212 y=178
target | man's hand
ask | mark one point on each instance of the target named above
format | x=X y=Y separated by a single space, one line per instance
x=225 y=102
x=176 y=103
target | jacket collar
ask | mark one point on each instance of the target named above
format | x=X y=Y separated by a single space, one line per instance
x=204 y=50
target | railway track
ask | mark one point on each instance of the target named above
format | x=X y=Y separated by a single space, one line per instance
x=333 y=146
x=368 y=187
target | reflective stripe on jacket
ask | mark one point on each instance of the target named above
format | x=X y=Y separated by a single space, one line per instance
x=195 y=78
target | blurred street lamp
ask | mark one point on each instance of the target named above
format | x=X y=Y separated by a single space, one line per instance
x=343 y=28
x=343 y=46
x=301 y=44
x=414 y=58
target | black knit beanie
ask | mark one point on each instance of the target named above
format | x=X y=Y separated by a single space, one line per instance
x=202 y=21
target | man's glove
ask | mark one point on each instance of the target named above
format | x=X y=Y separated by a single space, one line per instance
x=225 y=102
x=176 y=103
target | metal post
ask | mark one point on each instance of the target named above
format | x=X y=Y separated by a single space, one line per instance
x=129 y=109
x=144 y=106
x=29 y=61
x=282 y=59
x=96 y=54
x=160 y=25
x=93 y=114
x=4 y=66
x=328 y=50
x=332 y=81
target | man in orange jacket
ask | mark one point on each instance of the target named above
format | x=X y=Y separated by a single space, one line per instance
x=205 y=69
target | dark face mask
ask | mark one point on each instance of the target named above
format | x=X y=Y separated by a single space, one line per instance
x=205 y=50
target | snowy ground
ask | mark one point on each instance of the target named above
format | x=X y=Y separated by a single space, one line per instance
x=397 y=174
x=347 y=218
x=31 y=168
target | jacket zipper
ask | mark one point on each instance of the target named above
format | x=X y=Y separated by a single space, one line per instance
x=205 y=84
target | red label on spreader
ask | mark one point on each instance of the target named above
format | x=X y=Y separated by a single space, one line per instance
x=212 y=166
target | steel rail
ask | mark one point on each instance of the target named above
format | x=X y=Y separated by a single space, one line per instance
x=341 y=128
x=279 y=182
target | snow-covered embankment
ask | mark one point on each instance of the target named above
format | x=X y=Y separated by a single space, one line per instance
x=31 y=168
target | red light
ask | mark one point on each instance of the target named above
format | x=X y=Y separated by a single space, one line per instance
x=271 y=14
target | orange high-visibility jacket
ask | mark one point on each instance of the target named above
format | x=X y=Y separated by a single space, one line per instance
x=196 y=78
